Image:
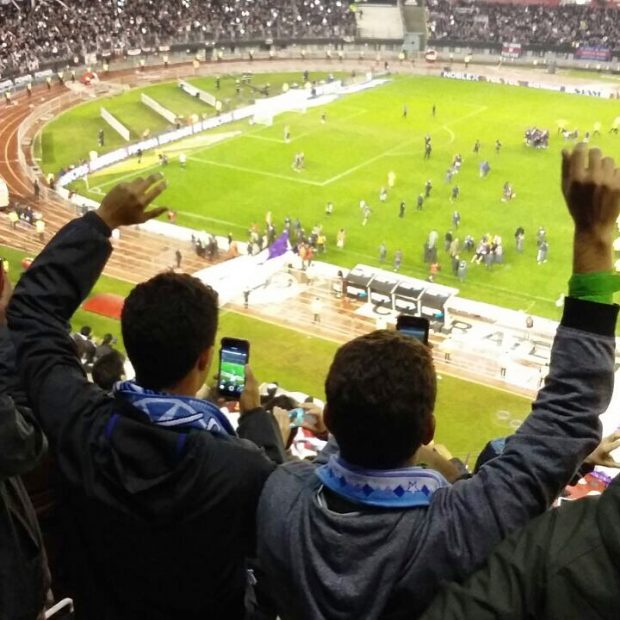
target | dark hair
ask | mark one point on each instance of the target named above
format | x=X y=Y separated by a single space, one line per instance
x=107 y=339
x=108 y=369
x=167 y=322
x=86 y=331
x=380 y=390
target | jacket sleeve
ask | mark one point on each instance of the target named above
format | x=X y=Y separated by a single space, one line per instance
x=22 y=441
x=544 y=454
x=46 y=297
x=260 y=427
x=509 y=584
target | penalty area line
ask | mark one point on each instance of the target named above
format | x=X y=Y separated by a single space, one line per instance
x=115 y=180
x=211 y=219
x=263 y=173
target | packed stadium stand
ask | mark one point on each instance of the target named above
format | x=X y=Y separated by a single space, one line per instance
x=564 y=28
x=55 y=31
x=62 y=31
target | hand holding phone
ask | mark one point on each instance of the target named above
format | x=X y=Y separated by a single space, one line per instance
x=234 y=356
x=414 y=326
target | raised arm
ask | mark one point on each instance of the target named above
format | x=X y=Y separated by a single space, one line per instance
x=51 y=290
x=563 y=428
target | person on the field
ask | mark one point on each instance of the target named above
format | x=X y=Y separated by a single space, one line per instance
x=428 y=186
x=382 y=252
x=454 y=194
x=316 y=307
x=456 y=218
x=398 y=259
x=543 y=249
x=154 y=477
x=401 y=209
x=366 y=211
x=498 y=146
x=420 y=202
x=340 y=238
x=364 y=531
x=477 y=146
x=519 y=238
x=508 y=192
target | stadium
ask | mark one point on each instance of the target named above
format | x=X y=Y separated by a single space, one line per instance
x=329 y=167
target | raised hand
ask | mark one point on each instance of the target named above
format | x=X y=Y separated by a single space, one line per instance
x=602 y=453
x=591 y=188
x=126 y=203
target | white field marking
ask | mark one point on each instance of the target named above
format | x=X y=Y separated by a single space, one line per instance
x=115 y=180
x=211 y=219
x=394 y=150
x=450 y=132
x=256 y=134
x=263 y=173
x=391 y=151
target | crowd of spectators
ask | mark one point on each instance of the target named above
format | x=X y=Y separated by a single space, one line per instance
x=60 y=30
x=566 y=26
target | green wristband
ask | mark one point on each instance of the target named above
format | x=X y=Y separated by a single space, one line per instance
x=599 y=286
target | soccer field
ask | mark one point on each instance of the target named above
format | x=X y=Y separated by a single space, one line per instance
x=232 y=183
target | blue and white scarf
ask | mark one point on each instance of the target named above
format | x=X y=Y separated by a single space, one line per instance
x=172 y=410
x=407 y=487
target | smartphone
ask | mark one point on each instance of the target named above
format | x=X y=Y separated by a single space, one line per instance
x=414 y=326
x=234 y=355
x=301 y=417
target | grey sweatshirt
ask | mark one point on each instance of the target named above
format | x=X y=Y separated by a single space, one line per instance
x=389 y=563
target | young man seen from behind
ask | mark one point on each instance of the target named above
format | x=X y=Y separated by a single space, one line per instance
x=361 y=533
x=160 y=492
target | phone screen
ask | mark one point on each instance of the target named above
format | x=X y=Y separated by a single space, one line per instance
x=416 y=327
x=234 y=355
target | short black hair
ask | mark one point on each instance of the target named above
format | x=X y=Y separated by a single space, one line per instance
x=108 y=369
x=167 y=322
x=381 y=389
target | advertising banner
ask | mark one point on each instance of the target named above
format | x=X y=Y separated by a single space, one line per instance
x=593 y=53
x=512 y=50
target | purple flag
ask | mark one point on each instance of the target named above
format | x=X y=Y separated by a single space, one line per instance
x=279 y=246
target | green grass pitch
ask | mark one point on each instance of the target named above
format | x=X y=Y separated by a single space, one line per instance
x=229 y=185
